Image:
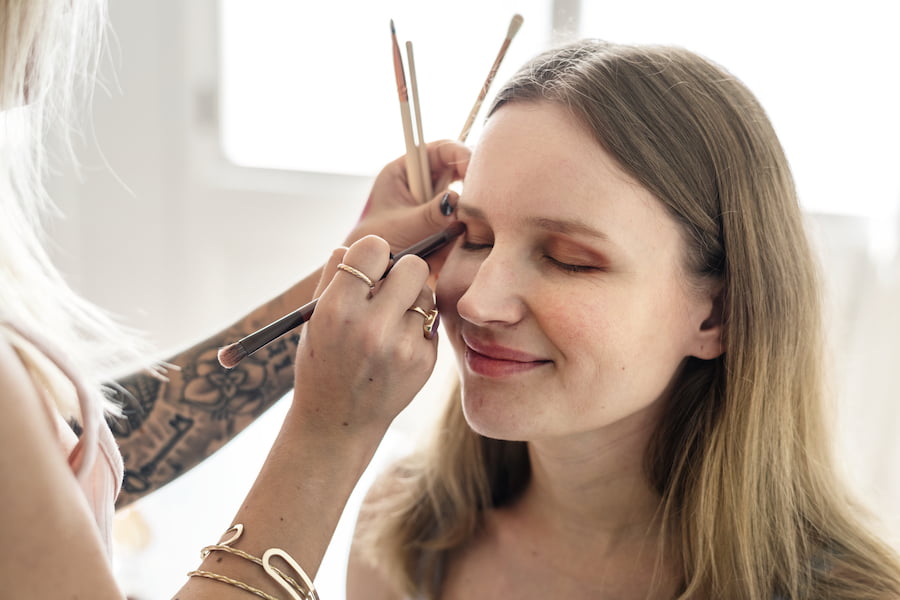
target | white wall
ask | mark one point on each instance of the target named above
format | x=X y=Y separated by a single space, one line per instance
x=177 y=240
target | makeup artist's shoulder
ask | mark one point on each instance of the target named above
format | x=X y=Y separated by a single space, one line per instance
x=16 y=385
x=11 y=367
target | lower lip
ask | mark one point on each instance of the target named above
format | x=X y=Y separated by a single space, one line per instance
x=493 y=367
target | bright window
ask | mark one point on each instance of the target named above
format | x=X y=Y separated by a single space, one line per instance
x=826 y=72
x=310 y=86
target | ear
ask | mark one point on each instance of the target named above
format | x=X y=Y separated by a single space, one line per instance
x=709 y=338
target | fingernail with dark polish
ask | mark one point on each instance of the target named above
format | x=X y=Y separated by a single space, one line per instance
x=446 y=207
x=434 y=327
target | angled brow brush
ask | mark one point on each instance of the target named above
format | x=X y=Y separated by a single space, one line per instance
x=232 y=354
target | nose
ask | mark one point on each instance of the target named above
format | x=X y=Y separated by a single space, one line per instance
x=494 y=294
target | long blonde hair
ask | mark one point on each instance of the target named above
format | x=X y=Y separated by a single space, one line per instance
x=49 y=53
x=741 y=459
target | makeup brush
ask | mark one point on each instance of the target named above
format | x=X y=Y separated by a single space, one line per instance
x=231 y=355
x=424 y=166
x=514 y=26
x=413 y=170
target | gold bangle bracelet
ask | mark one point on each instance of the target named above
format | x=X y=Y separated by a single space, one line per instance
x=303 y=590
x=223 y=548
x=309 y=593
x=232 y=582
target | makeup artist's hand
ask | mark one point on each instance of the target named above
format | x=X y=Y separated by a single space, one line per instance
x=393 y=214
x=363 y=356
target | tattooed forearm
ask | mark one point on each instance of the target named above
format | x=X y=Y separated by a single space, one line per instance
x=170 y=426
x=140 y=481
x=136 y=397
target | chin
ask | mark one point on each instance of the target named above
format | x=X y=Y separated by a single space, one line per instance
x=491 y=420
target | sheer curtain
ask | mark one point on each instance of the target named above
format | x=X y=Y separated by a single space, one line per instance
x=861 y=270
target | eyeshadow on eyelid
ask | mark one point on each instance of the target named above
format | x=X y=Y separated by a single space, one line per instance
x=563 y=226
x=565 y=242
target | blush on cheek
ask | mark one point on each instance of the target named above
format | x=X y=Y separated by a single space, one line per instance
x=582 y=325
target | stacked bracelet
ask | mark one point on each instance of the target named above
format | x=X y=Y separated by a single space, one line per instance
x=232 y=582
x=303 y=590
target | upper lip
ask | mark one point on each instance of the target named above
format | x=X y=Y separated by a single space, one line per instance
x=498 y=352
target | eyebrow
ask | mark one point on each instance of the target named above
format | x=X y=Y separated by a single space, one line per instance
x=563 y=226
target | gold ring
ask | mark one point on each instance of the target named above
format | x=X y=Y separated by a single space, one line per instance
x=431 y=320
x=358 y=274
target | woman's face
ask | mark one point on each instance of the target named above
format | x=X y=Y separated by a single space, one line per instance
x=566 y=301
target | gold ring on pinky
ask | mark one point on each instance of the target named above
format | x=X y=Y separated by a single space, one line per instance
x=431 y=320
x=358 y=274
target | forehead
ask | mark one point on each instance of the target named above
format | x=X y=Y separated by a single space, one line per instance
x=541 y=135
x=537 y=158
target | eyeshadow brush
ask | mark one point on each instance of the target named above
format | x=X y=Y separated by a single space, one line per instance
x=231 y=355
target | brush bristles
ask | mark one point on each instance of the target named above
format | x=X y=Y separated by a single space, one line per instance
x=514 y=26
x=231 y=355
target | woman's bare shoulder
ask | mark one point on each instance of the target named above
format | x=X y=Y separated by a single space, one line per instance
x=365 y=577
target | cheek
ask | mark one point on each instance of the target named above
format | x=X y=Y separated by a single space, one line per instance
x=584 y=330
x=600 y=332
x=666 y=323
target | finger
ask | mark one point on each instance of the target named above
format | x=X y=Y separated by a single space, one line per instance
x=449 y=164
x=446 y=205
x=450 y=157
x=424 y=314
x=425 y=299
x=417 y=223
x=402 y=287
x=361 y=267
x=438 y=215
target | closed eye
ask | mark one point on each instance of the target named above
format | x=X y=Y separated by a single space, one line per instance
x=474 y=246
x=570 y=267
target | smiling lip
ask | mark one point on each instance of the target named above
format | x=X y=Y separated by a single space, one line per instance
x=497 y=361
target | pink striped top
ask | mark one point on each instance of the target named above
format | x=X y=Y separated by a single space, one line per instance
x=94 y=457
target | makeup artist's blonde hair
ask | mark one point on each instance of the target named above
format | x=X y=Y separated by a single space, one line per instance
x=741 y=458
x=49 y=52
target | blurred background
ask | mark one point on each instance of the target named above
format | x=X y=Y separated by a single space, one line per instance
x=233 y=144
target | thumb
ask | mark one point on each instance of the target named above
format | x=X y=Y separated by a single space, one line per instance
x=444 y=206
x=426 y=219
x=441 y=213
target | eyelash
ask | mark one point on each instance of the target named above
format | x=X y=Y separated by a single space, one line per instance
x=473 y=247
x=570 y=268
